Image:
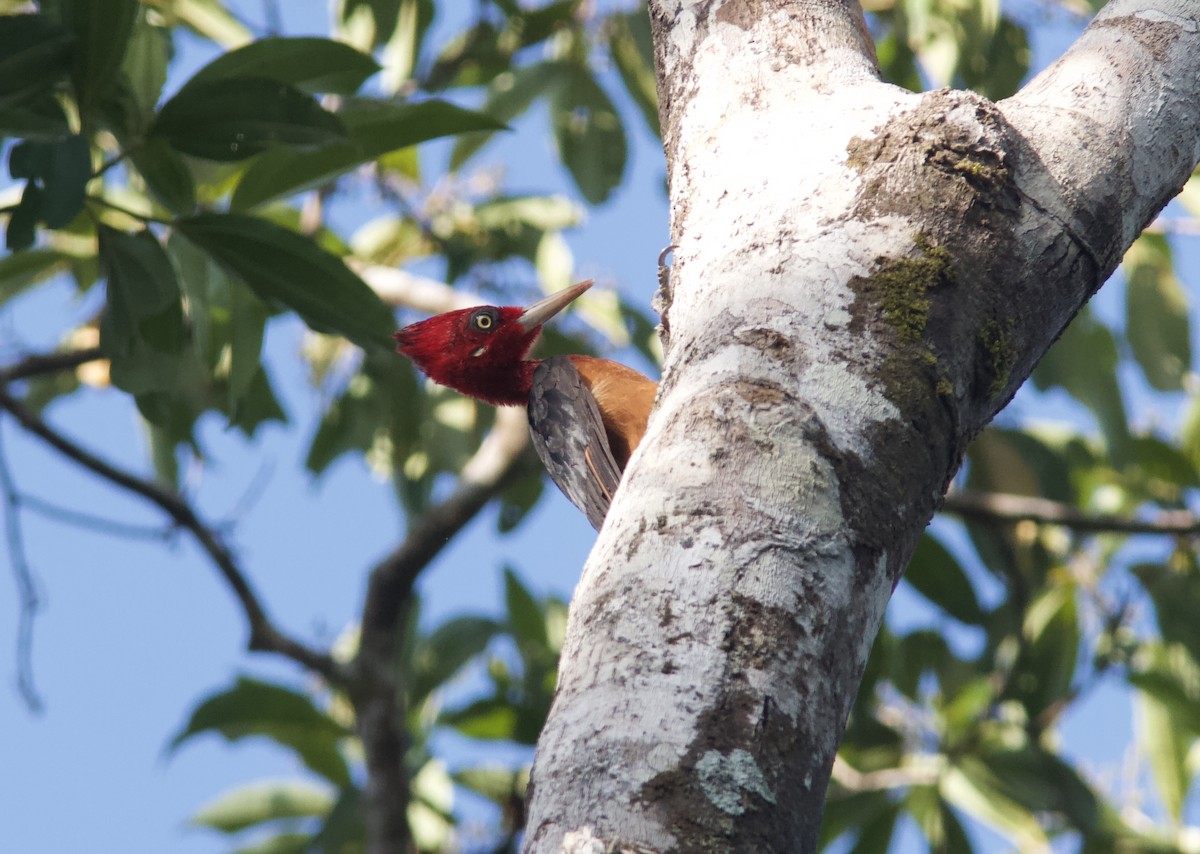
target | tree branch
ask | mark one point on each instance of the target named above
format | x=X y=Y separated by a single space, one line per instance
x=401 y=288
x=264 y=636
x=378 y=696
x=1002 y=507
x=49 y=363
x=920 y=770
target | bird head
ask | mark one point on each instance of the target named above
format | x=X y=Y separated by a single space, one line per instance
x=481 y=351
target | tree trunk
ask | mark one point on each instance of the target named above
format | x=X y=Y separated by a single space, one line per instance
x=865 y=277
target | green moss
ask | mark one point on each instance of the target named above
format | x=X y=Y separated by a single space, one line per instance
x=998 y=355
x=898 y=295
x=979 y=170
x=903 y=286
x=945 y=387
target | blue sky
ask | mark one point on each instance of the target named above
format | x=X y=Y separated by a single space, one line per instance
x=134 y=633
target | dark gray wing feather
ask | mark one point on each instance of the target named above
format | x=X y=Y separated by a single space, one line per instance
x=570 y=438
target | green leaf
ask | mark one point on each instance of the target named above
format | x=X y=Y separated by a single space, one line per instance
x=937 y=821
x=40 y=119
x=846 y=813
x=62 y=168
x=1042 y=783
x=232 y=119
x=472 y=58
x=310 y=64
x=442 y=654
x=283 y=267
x=102 y=29
x=255 y=405
x=589 y=134
x=378 y=17
x=429 y=811
x=1175 y=591
x=145 y=66
x=22 y=225
x=254 y=708
x=404 y=46
x=343 y=826
x=632 y=49
x=247 y=321
x=490 y=719
x=373 y=128
x=382 y=400
x=538 y=24
x=167 y=175
x=509 y=95
x=937 y=576
x=1159 y=470
x=917 y=653
x=997 y=70
x=1046 y=670
x=876 y=833
x=142 y=328
x=269 y=800
x=498 y=784
x=1156 y=311
x=1189 y=438
x=1165 y=743
x=1084 y=362
x=143 y=294
x=35 y=53
x=974 y=789
x=525 y=618
x=163 y=454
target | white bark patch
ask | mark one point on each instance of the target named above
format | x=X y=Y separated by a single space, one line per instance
x=583 y=841
x=727 y=779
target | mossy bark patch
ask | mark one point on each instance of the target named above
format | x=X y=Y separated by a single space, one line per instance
x=893 y=303
x=996 y=357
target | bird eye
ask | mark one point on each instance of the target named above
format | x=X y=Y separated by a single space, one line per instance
x=484 y=320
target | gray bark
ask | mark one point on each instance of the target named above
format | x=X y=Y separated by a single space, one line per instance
x=864 y=277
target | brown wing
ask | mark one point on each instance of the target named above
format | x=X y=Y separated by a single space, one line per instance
x=569 y=436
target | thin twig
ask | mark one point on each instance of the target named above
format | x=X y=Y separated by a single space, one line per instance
x=1002 y=507
x=103 y=202
x=100 y=524
x=30 y=602
x=109 y=164
x=264 y=636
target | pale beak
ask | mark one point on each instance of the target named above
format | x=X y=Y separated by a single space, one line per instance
x=547 y=307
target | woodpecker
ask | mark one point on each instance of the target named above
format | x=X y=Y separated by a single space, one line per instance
x=586 y=415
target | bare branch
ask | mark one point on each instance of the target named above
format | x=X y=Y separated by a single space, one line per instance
x=264 y=636
x=401 y=288
x=49 y=363
x=919 y=771
x=27 y=593
x=1002 y=507
x=378 y=698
